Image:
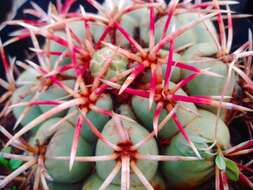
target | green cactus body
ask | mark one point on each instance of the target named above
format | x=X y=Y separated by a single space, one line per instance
x=44 y=131
x=94 y=182
x=60 y=145
x=140 y=106
x=97 y=30
x=157 y=182
x=89 y=105
x=21 y=95
x=187 y=37
x=204 y=125
x=129 y=25
x=142 y=16
x=99 y=59
x=126 y=110
x=127 y=22
x=25 y=94
x=198 y=34
x=64 y=186
x=78 y=29
x=204 y=32
x=29 y=75
x=56 y=47
x=209 y=85
x=205 y=85
x=54 y=92
x=136 y=133
x=99 y=120
x=176 y=71
x=189 y=174
x=200 y=50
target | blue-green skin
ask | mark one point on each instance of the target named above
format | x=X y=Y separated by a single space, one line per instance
x=207 y=85
x=64 y=186
x=158 y=182
x=45 y=132
x=99 y=120
x=55 y=92
x=126 y=110
x=204 y=125
x=186 y=38
x=189 y=174
x=60 y=145
x=25 y=94
x=136 y=133
x=97 y=30
x=95 y=182
x=140 y=106
x=201 y=31
x=79 y=30
x=56 y=47
x=197 y=34
x=30 y=75
x=126 y=22
x=142 y=16
x=99 y=59
x=22 y=94
x=176 y=71
x=129 y=25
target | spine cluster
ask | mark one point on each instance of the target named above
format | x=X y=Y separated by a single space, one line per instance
x=137 y=96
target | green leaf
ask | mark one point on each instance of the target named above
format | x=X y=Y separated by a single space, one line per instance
x=14 y=164
x=232 y=170
x=4 y=162
x=201 y=145
x=13 y=188
x=220 y=162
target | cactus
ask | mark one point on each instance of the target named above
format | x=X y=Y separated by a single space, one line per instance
x=137 y=96
x=202 y=132
x=140 y=106
x=98 y=120
x=117 y=65
x=134 y=133
x=59 y=186
x=94 y=182
x=59 y=144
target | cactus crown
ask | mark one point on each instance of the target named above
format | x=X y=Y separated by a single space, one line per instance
x=140 y=89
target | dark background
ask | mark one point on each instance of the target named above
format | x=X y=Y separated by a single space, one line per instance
x=19 y=49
